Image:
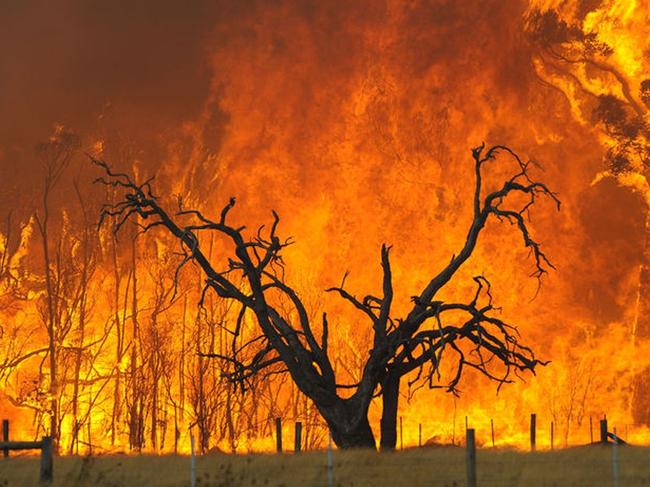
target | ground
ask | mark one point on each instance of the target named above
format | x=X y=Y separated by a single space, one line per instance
x=585 y=466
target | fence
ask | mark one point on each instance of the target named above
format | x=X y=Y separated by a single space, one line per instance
x=604 y=437
x=45 y=445
x=470 y=447
x=470 y=462
x=484 y=465
x=610 y=465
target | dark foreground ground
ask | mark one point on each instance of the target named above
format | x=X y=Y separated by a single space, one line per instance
x=586 y=466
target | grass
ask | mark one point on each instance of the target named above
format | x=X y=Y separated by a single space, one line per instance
x=586 y=466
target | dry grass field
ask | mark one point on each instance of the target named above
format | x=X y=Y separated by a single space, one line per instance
x=586 y=466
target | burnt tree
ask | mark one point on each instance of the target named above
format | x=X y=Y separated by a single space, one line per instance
x=285 y=341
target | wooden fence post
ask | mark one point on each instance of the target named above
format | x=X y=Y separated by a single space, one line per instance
x=278 y=435
x=603 y=430
x=330 y=462
x=47 y=451
x=298 y=437
x=470 y=446
x=533 y=431
x=192 y=462
x=615 y=474
x=5 y=435
x=46 y=459
x=420 y=434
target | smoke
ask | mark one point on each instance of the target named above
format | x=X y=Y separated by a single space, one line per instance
x=71 y=62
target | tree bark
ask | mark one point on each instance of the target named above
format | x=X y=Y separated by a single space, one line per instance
x=390 y=399
x=51 y=319
x=348 y=422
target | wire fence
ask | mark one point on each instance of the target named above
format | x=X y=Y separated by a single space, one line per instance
x=606 y=462
x=593 y=466
x=313 y=435
x=435 y=466
x=601 y=463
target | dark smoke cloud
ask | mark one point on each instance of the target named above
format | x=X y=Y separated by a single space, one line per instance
x=67 y=61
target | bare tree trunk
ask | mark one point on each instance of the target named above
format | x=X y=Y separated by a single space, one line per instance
x=119 y=345
x=43 y=225
x=180 y=417
x=390 y=400
x=348 y=422
x=82 y=306
x=232 y=438
x=135 y=414
x=201 y=422
x=55 y=156
x=154 y=400
x=79 y=350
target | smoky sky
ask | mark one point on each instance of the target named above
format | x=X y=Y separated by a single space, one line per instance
x=70 y=61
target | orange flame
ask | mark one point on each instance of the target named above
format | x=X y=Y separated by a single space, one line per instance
x=354 y=124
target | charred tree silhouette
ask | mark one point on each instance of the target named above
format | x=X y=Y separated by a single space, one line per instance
x=285 y=341
x=55 y=155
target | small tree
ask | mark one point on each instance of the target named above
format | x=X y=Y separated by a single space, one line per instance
x=285 y=341
x=55 y=156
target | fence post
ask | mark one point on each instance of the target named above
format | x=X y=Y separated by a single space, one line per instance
x=278 y=435
x=192 y=462
x=615 y=459
x=420 y=434
x=330 y=463
x=603 y=431
x=298 y=437
x=46 y=459
x=533 y=431
x=470 y=446
x=5 y=435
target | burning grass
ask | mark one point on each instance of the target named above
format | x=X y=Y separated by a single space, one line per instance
x=442 y=466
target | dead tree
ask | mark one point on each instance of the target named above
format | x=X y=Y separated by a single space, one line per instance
x=55 y=155
x=253 y=278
